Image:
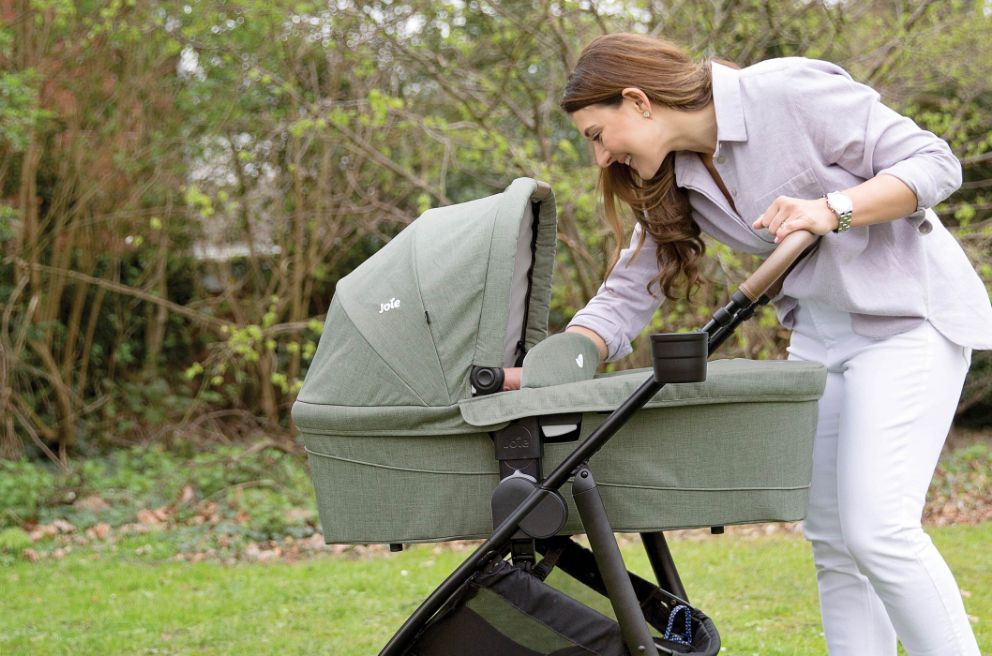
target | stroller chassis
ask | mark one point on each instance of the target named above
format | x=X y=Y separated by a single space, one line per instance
x=612 y=576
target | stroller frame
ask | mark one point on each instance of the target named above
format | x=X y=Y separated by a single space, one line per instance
x=612 y=575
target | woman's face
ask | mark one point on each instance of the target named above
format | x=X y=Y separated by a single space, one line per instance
x=622 y=134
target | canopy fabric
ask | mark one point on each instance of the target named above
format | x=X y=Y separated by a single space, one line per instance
x=405 y=328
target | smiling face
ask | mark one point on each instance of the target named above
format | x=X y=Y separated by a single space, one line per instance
x=621 y=134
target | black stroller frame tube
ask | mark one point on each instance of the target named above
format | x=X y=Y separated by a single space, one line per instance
x=718 y=329
x=609 y=562
x=660 y=557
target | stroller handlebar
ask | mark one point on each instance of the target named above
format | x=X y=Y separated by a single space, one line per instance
x=776 y=265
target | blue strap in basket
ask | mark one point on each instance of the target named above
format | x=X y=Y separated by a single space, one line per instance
x=686 y=637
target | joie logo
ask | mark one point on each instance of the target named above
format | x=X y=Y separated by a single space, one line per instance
x=519 y=443
x=578 y=360
x=392 y=304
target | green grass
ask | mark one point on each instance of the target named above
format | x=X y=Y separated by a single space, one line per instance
x=760 y=592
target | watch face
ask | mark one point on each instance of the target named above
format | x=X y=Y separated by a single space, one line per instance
x=839 y=202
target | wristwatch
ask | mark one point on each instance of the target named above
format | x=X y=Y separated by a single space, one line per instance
x=841 y=205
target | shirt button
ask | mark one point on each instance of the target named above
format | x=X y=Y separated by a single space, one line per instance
x=721 y=160
x=925 y=227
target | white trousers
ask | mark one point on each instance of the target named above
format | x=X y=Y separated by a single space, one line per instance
x=883 y=420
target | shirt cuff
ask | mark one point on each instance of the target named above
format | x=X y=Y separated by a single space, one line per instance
x=929 y=190
x=617 y=345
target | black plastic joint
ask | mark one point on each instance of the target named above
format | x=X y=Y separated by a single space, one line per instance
x=740 y=299
x=486 y=380
x=519 y=448
x=518 y=441
x=722 y=316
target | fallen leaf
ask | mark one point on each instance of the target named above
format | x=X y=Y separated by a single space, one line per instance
x=187 y=494
x=146 y=516
x=63 y=526
x=99 y=531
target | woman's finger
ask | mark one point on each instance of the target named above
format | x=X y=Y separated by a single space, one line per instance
x=781 y=216
x=790 y=225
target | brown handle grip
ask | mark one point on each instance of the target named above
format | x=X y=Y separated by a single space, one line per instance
x=776 y=264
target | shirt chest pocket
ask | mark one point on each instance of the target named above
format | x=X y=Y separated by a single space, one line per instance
x=803 y=185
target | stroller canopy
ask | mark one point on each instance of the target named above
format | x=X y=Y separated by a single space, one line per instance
x=463 y=285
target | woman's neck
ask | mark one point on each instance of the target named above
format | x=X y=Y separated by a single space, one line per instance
x=697 y=131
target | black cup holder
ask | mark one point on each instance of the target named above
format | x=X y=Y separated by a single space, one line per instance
x=680 y=357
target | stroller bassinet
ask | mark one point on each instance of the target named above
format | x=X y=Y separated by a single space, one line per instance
x=402 y=451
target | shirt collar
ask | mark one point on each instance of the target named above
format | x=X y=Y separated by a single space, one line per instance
x=727 y=104
x=730 y=126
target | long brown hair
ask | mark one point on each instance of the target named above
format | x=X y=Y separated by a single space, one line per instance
x=607 y=66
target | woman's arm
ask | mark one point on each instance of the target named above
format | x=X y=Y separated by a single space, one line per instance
x=883 y=198
x=905 y=168
x=623 y=305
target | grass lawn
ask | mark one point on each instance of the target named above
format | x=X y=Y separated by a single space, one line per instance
x=759 y=590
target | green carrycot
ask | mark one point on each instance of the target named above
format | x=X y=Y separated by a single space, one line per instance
x=402 y=441
x=400 y=449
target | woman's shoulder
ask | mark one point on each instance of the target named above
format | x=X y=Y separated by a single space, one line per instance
x=792 y=66
x=795 y=77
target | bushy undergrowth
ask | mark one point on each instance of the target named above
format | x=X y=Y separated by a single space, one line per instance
x=215 y=502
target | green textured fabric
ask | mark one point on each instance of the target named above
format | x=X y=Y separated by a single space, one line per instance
x=559 y=359
x=735 y=449
x=406 y=326
x=727 y=381
x=515 y=624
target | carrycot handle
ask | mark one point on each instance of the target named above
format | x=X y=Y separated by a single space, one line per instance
x=541 y=193
x=777 y=264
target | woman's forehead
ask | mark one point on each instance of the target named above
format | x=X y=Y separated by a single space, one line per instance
x=591 y=116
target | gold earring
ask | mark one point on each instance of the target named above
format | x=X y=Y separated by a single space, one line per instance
x=646 y=114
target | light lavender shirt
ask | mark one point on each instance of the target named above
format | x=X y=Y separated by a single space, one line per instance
x=801 y=128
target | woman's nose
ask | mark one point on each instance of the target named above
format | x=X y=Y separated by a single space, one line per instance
x=603 y=158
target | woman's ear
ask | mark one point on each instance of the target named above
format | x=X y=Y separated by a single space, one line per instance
x=640 y=99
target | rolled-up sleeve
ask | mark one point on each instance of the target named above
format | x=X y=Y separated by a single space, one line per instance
x=623 y=306
x=852 y=128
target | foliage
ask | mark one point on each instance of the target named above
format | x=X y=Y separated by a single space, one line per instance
x=181 y=185
x=25 y=488
x=182 y=500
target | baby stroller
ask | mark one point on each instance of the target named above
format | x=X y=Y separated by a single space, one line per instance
x=410 y=439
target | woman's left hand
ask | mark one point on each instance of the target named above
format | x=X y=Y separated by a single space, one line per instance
x=786 y=215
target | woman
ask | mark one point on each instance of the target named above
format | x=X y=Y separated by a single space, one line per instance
x=888 y=301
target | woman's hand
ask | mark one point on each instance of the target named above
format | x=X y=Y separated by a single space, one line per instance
x=511 y=378
x=786 y=215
